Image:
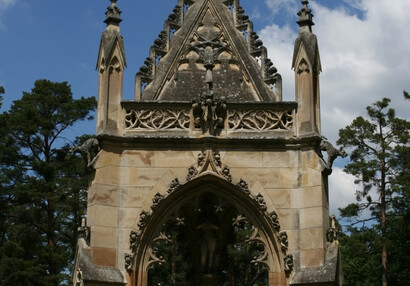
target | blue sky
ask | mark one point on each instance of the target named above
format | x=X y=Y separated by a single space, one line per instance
x=364 y=46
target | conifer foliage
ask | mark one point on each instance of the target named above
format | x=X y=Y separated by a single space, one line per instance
x=380 y=148
x=43 y=186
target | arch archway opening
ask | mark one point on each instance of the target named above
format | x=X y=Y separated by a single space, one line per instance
x=207 y=240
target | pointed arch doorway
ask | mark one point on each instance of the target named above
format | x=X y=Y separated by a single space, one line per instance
x=208 y=231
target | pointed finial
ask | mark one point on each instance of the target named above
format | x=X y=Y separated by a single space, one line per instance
x=305 y=15
x=113 y=14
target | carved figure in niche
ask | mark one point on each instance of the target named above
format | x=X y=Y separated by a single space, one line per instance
x=333 y=232
x=332 y=152
x=88 y=148
x=209 y=245
x=84 y=230
x=209 y=113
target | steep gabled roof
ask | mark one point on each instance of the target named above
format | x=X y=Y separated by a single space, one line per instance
x=207 y=45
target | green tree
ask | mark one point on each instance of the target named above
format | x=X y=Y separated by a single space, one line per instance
x=375 y=145
x=42 y=185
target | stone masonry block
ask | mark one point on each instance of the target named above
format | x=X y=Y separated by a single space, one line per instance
x=312 y=238
x=104 y=256
x=99 y=215
x=280 y=159
x=105 y=237
x=311 y=217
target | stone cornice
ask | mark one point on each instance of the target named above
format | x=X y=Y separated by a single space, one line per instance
x=187 y=143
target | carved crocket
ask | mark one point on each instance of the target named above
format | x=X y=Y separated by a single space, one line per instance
x=332 y=152
x=88 y=148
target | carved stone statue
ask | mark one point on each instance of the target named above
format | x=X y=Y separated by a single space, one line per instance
x=88 y=148
x=332 y=152
x=209 y=244
x=209 y=113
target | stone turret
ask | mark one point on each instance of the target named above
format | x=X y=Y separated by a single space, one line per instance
x=111 y=63
x=307 y=67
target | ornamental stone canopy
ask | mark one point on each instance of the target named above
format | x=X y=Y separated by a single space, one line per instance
x=207 y=177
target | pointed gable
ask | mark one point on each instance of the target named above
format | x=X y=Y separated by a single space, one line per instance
x=208 y=44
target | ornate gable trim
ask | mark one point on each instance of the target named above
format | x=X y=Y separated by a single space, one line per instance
x=235 y=47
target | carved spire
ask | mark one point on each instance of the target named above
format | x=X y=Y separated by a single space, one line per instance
x=113 y=14
x=110 y=64
x=305 y=16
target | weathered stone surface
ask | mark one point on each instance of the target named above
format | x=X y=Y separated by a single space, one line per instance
x=93 y=274
x=328 y=274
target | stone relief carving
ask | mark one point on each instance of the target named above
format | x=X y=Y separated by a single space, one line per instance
x=209 y=115
x=210 y=159
x=288 y=262
x=175 y=184
x=129 y=261
x=157 y=119
x=283 y=239
x=260 y=120
x=273 y=216
x=332 y=153
x=243 y=185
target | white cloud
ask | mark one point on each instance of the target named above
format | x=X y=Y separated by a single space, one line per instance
x=5 y=4
x=279 y=41
x=342 y=190
x=363 y=58
x=277 y=6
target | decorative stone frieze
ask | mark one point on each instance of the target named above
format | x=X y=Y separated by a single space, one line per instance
x=157 y=119
x=210 y=116
x=260 y=120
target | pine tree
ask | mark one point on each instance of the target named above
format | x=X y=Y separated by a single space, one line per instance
x=42 y=185
x=375 y=144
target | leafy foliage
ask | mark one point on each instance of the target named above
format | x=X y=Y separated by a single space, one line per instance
x=42 y=185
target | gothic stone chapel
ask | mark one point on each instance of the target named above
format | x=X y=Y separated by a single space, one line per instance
x=207 y=177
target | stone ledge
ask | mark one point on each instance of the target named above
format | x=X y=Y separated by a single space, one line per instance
x=329 y=274
x=87 y=272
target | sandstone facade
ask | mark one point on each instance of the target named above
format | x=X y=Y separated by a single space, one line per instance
x=208 y=122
